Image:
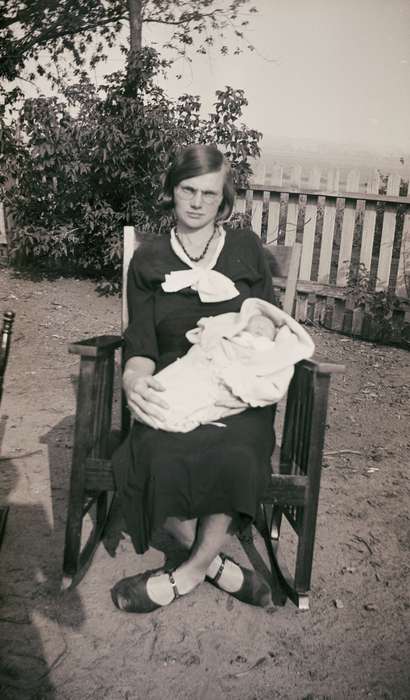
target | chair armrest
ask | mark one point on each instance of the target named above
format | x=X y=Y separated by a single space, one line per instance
x=94 y=395
x=98 y=345
x=324 y=367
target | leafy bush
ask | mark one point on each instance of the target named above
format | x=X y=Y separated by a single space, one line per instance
x=379 y=306
x=85 y=165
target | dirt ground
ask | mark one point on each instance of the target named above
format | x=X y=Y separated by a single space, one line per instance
x=354 y=641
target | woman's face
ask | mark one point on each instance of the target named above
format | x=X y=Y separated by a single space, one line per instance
x=197 y=200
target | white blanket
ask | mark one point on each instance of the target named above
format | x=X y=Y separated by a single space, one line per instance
x=227 y=369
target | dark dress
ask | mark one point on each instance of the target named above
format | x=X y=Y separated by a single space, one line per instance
x=210 y=469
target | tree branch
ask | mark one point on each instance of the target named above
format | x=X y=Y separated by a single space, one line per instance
x=193 y=17
x=58 y=25
x=27 y=44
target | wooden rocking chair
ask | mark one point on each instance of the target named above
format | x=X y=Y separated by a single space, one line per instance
x=294 y=487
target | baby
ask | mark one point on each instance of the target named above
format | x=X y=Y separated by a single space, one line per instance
x=194 y=386
x=258 y=334
x=236 y=360
x=262 y=326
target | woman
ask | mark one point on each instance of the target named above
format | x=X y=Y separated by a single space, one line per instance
x=206 y=484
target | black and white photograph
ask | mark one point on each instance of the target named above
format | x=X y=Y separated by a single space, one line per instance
x=204 y=349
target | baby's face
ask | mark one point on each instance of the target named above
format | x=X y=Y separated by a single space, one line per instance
x=262 y=326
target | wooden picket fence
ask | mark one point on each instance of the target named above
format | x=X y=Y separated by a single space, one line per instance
x=340 y=232
x=343 y=223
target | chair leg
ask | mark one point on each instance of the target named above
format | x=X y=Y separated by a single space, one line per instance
x=273 y=520
x=91 y=438
x=78 y=558
x=269 y=527
x=4 y=511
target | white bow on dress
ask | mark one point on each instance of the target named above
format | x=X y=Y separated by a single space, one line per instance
x=212 y=286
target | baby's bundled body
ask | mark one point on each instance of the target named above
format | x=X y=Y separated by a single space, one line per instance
x=236 y=360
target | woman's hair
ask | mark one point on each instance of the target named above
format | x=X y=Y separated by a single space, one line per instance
x=194 y=160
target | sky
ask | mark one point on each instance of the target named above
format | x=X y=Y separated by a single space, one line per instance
x=335 y=71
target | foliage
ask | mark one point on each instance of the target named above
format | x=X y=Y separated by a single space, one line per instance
x=379 y=306
x=85 y=165
x=384 y=181
x=81 y=166
x=71 y=36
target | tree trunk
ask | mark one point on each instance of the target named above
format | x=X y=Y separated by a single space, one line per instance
x=135 y=15
x=135 y=18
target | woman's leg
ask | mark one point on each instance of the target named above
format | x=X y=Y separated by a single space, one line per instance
x=183 y=530
x=211 y=535
x=203 y=560
x=187 y=533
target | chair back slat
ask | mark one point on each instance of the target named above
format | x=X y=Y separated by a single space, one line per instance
x=284 y=263
x=131 y=243
x=278 y=258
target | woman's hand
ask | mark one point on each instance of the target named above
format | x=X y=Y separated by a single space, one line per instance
x=143 y=393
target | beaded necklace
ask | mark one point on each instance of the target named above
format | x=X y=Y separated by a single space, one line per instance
x=204 y=252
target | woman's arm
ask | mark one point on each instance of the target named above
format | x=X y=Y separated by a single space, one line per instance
x=136 y=368
x=141 y=347
x=141 y=389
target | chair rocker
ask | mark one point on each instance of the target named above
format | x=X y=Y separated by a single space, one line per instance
x=295 y=481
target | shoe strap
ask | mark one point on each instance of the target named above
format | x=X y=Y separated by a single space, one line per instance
x=173 y=584
x=220 y=570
